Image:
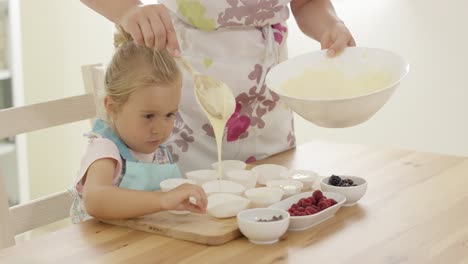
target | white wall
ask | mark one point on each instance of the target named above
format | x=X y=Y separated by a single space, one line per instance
x=428 y=111
x=58 y=37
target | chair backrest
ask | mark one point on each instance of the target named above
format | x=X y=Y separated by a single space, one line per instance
x=6 y=235
x=24 y=217
x=93 y=77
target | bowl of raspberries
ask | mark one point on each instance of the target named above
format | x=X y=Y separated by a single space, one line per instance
x=308 y=209
x=352 y=187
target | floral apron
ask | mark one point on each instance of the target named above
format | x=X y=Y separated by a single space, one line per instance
x=237 y=42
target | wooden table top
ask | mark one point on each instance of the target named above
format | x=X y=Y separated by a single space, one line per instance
x=415 y=211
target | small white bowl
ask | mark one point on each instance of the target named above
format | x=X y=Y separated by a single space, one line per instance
x=223 y=186
x=247 y=178
x=262 y=232
x=202 y=176
x=298 y=223
x=264 y=196
x=289 y=187
x=225 y=205
x=169 y=184
x=268 y=172
x=307 y=177
x=229 y=165
x=352 y=193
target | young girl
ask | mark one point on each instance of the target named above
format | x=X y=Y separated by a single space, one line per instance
x=125 y=160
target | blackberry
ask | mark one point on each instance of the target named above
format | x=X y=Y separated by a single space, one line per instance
x=349 y=181
x=344 y=184
x=334 y=180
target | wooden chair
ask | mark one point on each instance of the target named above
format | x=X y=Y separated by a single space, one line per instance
x=93 y=77
x=24 y=217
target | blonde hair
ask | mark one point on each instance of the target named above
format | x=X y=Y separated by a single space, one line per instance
x=134 y=66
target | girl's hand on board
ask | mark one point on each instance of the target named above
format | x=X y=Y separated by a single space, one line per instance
x=179 y=199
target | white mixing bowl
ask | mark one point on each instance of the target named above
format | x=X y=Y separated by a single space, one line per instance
x=348 y=84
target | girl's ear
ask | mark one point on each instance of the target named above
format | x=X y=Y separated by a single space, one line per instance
x=110 y=106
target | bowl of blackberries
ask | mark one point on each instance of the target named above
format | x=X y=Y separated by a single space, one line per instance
x=352 y=187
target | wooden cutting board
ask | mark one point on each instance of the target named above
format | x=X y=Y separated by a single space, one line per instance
x=199 y=228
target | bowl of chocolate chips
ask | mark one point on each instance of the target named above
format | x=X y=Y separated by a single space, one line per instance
x=263 y=225
x=352 y=187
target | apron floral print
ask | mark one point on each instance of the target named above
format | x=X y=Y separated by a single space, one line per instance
x=211 y=15
x=236 y=41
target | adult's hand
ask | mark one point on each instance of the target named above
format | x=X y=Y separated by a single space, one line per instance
x=151 y=25
x=318 y=20
x=336 y=38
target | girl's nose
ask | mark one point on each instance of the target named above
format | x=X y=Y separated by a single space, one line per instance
x=159 y=126
x=155 y=129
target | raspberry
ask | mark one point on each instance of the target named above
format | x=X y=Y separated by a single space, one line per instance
x=300 y=209
x=317 y=195
x=301 y=202
x=291 y=211
x=322 y=205
x=329 y=202
x=333 y=202
x=301 y=214
x=311 y=210
x=334 y=180
x=306 y=202
x=312 y=200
